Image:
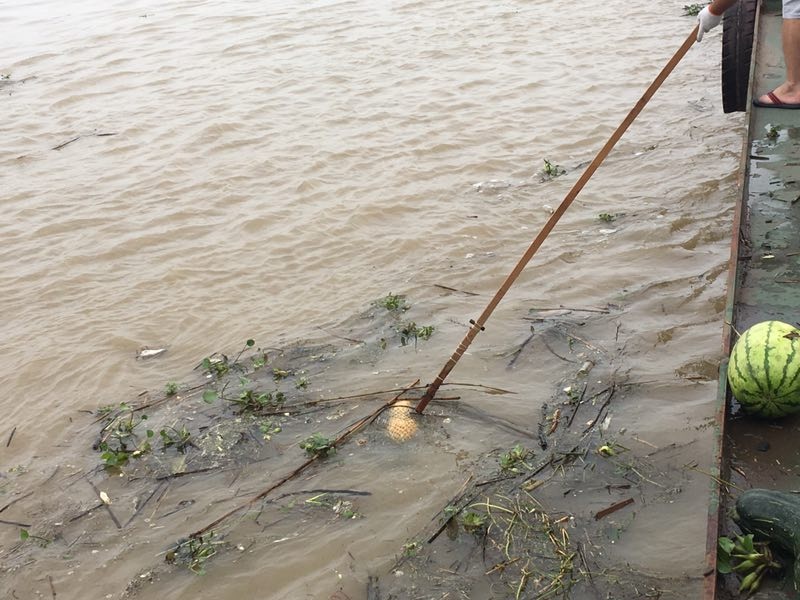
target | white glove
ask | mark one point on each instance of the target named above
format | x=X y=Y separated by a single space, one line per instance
x=707 y=21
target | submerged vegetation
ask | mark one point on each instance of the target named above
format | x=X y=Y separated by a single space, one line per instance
x=514 y=459
x=318 y=446
x=121 y=440
x=250 y=407
x=180 y=439
x=407 y=331
x=473 y=522
x=194 y=552
x=410 y=331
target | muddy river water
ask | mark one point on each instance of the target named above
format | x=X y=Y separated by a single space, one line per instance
x=189 y=174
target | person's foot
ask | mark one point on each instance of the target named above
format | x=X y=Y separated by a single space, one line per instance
x=786 y=93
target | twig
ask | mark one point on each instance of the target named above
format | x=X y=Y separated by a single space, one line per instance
x=518 y=351
x=556 y=354
x=672 y=446
x=341 y=337
x=612 y=509
x=645 y=442
x=160 y=499
x=76 y=138
x=579 y=546
x=470 y=410
x=67 y=143
x=449 y=289
x=4 y=522
x=587 y=344
x=495 y=480
x=184 y=473
x=143 y=504
x=721 y=482
x=605 y=404
x=578 y=404
x=604 y=311
x=86 y=512
x=523 y=581
x=52 y=587
x=502 y=565
x=323 y=491
x=453 y=501
x=486 y=388
x=15 y=500
x=11 y=436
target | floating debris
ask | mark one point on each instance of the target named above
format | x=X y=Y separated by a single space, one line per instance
x=145 y=352
x=491 y=185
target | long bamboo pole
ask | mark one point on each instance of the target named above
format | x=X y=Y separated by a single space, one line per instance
x=477 y=325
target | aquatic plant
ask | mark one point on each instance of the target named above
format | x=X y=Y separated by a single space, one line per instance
x=318 y=446
x=551 y=171
x=473 y=522
x=514 y=459
x=393 y=302
x=179 y=438
x=194 y=552
x=122 y=442
x=268 y=428
x=410 y=331
x=25 y=536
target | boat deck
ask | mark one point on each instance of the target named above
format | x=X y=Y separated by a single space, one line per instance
x=764 y=285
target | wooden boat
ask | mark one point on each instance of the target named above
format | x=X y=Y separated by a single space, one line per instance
x=764 y=276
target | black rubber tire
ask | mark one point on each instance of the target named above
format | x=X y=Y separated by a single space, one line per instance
x=738 y=27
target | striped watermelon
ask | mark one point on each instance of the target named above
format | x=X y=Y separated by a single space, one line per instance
x=764 y=369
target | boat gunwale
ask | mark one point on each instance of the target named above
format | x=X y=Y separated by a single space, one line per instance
x=716 y=492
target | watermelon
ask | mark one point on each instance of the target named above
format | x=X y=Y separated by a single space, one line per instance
x=764 y=369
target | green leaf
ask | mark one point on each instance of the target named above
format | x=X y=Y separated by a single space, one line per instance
x=251 y=343
x=747 y=543
x=150 y=433
x=726 y=545
x=23 y=534
x=724 y=564
x=210 y=396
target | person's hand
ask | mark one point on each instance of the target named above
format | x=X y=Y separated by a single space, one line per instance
x=707 y=21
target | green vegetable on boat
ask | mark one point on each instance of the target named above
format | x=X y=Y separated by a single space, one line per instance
x=773 y=517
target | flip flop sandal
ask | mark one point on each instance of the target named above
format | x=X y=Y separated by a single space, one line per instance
x=776 y=103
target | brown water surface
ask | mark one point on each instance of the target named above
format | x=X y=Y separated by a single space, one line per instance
x=277 y=166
